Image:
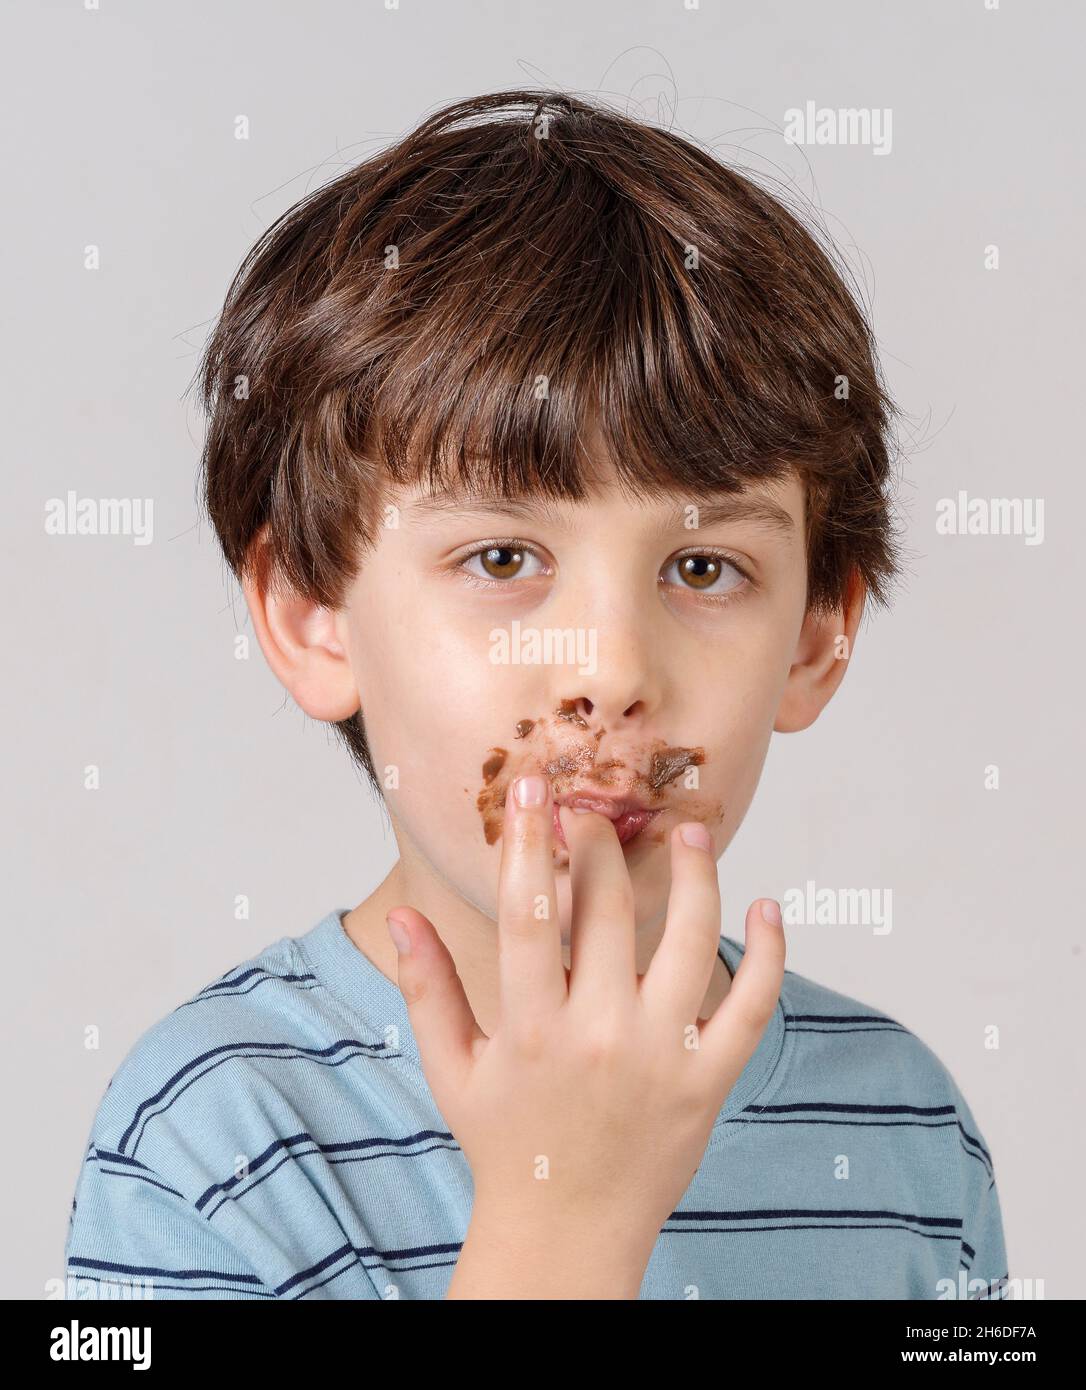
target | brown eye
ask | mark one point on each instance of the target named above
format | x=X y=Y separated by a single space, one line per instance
x=501 y=561
x=699 y=571
x=713 y=575
x=507 y=560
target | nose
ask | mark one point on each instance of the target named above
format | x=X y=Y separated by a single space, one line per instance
x=622 y=691
x=605 y=612
x=583 y=712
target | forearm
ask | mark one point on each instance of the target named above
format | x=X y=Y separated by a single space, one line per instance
x=508 y=1255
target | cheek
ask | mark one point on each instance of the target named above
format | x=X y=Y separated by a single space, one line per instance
x=427 y=691
x=425 y=706
x=428 y=742
x=742 y=729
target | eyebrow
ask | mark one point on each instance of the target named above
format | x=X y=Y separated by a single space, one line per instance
x=757 y=511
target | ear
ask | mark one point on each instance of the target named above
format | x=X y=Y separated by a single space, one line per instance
x=823 y=650
x=303 y=645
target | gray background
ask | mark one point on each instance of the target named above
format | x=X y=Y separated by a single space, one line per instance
x=119 y=132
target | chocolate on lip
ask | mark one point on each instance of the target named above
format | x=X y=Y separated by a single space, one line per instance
x=629 y=817
x=569 y=764
x=613 y=807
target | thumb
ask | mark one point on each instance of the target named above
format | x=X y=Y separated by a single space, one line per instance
x=445 y=1027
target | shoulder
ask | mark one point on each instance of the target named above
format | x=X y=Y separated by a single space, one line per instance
x=897 y=1106
x=861 y=1040
x=203 y=1080
x=863 y=1058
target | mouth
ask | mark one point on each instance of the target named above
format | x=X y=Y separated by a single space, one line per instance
x=628 y=815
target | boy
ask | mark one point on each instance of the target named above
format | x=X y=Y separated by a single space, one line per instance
x=555 y=451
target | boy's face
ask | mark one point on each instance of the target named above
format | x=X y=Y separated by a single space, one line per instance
x=612 y=646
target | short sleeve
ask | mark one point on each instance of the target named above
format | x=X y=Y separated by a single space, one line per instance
x=162 y=1208
x=984 y=1251
x=129 y=1229
x=983 y=1262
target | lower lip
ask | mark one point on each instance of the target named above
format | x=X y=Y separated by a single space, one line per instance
x=626 y=826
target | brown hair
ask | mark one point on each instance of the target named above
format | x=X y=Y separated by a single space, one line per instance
x=395 y=324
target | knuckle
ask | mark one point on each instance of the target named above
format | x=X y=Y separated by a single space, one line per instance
x=754 y=1014
x=517 y=925
x=614 y=900
x=414 y=990
x=693 y=936
x=598 y=1050
x=698 y=894
x=527 y=833
x=601 y=1040
x=530 y=1040
x=419 y=985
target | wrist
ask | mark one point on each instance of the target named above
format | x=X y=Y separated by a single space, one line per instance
x=544 y=1250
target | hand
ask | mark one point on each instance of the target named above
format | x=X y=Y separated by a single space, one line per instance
x=591 y=1105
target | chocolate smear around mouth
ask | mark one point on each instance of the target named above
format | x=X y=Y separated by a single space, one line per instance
x=581 y=765
x=670 y=762
x=491 y=800
x=494 y=764
x=568 y=764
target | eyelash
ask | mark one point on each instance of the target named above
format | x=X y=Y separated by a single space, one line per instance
x=476 y=581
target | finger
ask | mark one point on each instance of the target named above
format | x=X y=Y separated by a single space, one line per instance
x=729 y=1038
x=602 y=945
x=442 y=1019
x=681 y=970
x=531 y=974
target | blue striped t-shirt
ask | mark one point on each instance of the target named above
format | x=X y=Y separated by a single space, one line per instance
x=275 y=1137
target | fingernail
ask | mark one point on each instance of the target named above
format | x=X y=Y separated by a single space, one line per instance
x=399 y=936
x=695 y=834
x=530 y=791
x=771 y=912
